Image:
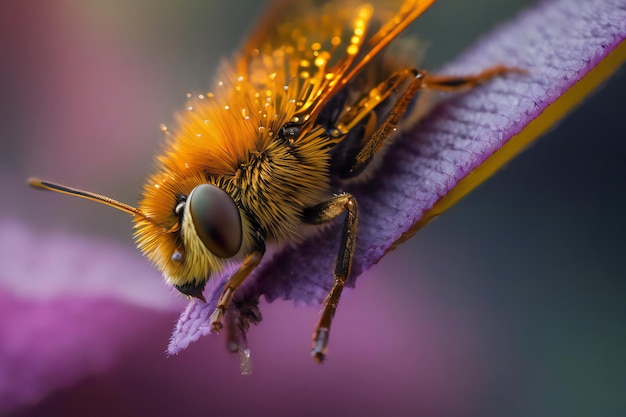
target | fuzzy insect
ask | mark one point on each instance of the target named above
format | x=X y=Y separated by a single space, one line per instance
x=307 y=104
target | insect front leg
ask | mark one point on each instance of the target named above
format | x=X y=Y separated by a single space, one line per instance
x=322 y=213
x=250 y=262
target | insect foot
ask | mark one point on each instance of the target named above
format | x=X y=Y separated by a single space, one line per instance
x=216 y=319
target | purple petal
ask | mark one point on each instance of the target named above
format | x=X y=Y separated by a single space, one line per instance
x=559 y=42
x=51 y=344
x=37 y=266
x=64 y=313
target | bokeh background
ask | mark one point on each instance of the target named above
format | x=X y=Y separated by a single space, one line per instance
x=511 y=303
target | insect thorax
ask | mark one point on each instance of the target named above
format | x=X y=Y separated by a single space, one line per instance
x=275 y=185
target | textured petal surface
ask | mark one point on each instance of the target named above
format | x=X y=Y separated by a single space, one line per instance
x=558 y=42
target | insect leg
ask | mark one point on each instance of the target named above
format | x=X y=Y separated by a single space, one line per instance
x=374 y=98
x=456 y=83
x=234 y=282
x=323 y=213
x=375 y=142
x=422 y=80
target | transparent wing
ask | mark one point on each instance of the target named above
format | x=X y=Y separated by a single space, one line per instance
x=313 y=48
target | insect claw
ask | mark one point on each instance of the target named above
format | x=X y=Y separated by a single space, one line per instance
x=319 y=345
x=318 y=356
x=216 y=319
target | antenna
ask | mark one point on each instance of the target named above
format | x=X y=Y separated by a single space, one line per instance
x=51 y=186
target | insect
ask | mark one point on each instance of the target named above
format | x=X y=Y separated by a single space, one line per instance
x=308 y=102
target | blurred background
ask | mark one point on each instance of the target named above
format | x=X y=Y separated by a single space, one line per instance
x=511 y=303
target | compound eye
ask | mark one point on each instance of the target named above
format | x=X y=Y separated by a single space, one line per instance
x=216 y=219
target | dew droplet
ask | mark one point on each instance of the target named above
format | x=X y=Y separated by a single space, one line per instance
x=177 y=256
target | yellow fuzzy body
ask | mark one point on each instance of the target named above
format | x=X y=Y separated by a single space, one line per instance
x=230 y=139
x=290 y=70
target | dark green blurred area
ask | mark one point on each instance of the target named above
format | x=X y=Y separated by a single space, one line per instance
x=539 y=249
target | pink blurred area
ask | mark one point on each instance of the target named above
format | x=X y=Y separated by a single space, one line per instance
x=86 y=95
x=85 y=101
x=85 y=325
x=382 y=361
